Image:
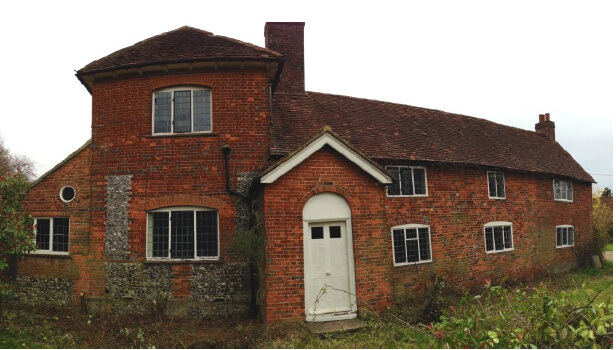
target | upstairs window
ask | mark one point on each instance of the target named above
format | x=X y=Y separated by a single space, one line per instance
x=182 y=233
x=498 y=236
x=496 y=185
x=408 y=181
x=564 y=236
x=182 y=110
x=411 y=244
x=563 y=190
x=52 y=235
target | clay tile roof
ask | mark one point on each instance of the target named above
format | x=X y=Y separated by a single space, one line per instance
x=389 y=132
x=185 y=44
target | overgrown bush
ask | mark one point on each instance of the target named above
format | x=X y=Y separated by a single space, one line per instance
x=526 y=318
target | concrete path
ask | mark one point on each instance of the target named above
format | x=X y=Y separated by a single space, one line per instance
x=608 y=256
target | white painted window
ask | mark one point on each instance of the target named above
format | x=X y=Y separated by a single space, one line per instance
x=411 y=244
x=409 y=181
x=67 y=194
x=182 y=233
x=563 y=190
x=565 y=236
x=496 y=185
x=182 y=110
x=52 y=235
x=498 y=236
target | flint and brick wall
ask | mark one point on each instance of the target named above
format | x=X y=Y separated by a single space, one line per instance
x=131 y=171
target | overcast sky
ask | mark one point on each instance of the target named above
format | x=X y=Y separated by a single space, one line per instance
x=502 y=62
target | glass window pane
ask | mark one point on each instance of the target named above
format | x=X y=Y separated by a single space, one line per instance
x=406 y=181
x=500 y=185
x=420 y=181
x=489 y=239
x=507 y=237
x=160 y=235
x=569 y=191
x=394 y=188
x=399 y=248
x=181 y=111
x=498 y=238
x=570 y=236
x=424 y=244
x=412 y=250
x=492 y=184
x=559 y=236
x=182 y=234
x=42 y=234
x=557 y=194
x=60 y=234
x=202 y=117
x=317 y=232
x=411 y=233
x=335 y=232
x=162 y=112
x=207 y=233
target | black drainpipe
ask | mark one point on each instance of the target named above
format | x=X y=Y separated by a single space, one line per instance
x=225 y=152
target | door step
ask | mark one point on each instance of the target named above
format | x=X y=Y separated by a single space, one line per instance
x=351 y=325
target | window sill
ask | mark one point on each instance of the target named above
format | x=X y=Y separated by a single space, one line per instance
x=413 y=263
x=500 y=251
x=563 y=200
x=184 y=262
x=498 y=198
x=409 y=196
x=564 y=246
x=49 y=255
x=188 y=134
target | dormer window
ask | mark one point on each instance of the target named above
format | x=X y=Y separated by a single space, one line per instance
x=182 y=110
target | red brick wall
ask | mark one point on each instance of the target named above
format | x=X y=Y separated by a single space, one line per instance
x=178 y=169
x=458 y=207
x=44 y=201
x=456 y=210
x=325 y=171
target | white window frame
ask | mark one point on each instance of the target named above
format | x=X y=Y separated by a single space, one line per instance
x=50 y=250
x=554 y=190
x=497 y=224
x=182 y=88
x=149 y=234
x=412 y=179
x=404 y=227
x=565 y=245
x=62 y=197
x=504 y=188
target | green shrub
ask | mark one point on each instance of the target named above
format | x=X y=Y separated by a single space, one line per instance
x=526 y=318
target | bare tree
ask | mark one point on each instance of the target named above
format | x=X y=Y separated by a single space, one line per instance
x=15 y=163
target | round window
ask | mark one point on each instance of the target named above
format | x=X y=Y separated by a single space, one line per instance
x=67 y=194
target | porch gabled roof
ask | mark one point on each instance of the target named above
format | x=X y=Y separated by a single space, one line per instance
x=331 y=139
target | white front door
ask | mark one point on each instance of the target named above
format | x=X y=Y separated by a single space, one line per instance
x=329 y=287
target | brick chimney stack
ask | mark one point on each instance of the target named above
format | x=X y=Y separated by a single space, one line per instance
x=287 y=38
x=546 y=127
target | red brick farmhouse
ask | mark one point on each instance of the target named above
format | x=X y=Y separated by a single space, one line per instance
x=214 y=185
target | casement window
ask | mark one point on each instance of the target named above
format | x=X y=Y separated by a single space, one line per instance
x=496 y=185
x=408 y=181
x=182 y=110
x=182 y=233
x=563 y=190
x=52 y=235
x=564 y=236
x=498 y=236
x=411 y=244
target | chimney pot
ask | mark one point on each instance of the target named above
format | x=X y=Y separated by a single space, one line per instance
x=541 y=118
x=546 y=127
x=547 y=117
